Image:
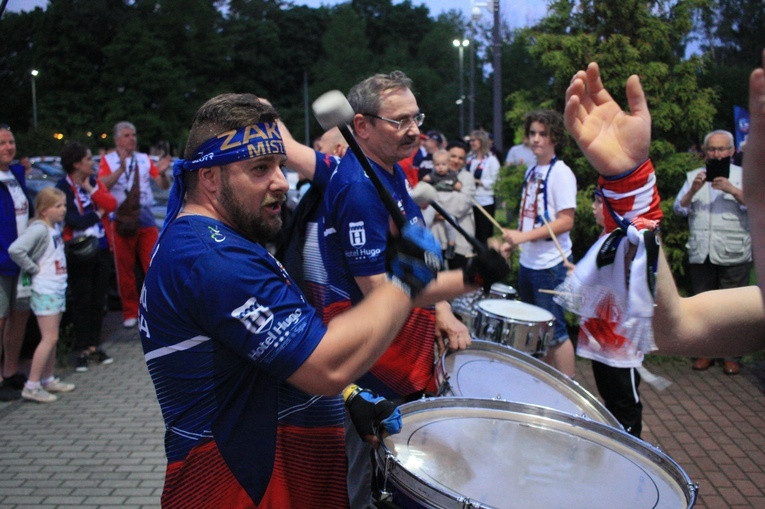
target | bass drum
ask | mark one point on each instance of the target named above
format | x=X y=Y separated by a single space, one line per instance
x=457 y=453
x=488 y=370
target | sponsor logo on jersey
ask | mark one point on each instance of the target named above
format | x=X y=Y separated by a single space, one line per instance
x=363 y=253
x=255 y=317
x=357 y=234
x=215 y=234
x=279 y=333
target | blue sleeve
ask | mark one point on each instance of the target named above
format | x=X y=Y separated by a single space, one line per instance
x=260 y=314
x=325 y=165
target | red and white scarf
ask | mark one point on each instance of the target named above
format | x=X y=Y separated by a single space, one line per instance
x=631 y=209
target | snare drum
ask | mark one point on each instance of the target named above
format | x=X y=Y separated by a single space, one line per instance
x=513 y=323
x=489 y=370
x=464 y=307
x=468 y=453
x=502 y=291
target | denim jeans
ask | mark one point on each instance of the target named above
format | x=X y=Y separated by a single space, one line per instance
x=530 y=281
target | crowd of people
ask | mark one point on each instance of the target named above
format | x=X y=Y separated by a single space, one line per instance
x=62 y=255
x=276 y=385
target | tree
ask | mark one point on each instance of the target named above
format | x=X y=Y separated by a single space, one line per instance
x=733 y=39
x=644 y=37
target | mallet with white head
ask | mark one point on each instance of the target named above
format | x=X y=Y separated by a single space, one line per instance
x=332 y=109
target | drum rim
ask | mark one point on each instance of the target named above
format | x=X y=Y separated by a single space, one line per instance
x=480 y=310
x=650 y=452
x=549 y=372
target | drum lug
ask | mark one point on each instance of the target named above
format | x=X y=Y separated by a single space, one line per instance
x=384 y=494
x=444 y=386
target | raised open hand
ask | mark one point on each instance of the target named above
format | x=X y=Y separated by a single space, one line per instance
x=613 y=140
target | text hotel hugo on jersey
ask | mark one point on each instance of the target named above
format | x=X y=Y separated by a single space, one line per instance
x=259 y=320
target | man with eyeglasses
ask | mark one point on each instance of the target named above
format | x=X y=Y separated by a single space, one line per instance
x=353 y=234
x=719 y=246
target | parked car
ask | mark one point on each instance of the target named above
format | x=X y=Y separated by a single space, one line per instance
x=45 y=172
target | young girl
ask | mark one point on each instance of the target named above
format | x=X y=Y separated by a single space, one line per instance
x=39 y=251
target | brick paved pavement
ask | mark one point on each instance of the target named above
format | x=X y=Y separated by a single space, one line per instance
x=101 y=446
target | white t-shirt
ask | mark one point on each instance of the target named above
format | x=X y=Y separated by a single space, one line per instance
x=561 y=195
x=51 y=280
x=521 y=154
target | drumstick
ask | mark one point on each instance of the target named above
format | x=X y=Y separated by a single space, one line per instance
x=553 y=292
x=553 y=237
x=567 y=263
x=486 y=213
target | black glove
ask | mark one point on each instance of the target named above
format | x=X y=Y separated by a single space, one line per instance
x=370 y=412
x=485 y=269
x=414 y=259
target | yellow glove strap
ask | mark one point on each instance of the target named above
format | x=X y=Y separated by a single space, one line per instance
x=350 y=391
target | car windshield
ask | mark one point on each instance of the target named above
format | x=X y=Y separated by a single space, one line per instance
x=46 y=170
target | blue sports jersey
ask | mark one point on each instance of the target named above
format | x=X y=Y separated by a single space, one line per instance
x=223 y=326
x=314 y=273
x=354 y=232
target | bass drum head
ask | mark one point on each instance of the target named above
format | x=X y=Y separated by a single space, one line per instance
x=489 y=370
x=515 y=310
x=453 y=452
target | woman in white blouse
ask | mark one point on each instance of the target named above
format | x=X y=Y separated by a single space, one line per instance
x=484 y=167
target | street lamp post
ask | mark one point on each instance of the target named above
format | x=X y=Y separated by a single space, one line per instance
x=493 y=6
x=34 y=74
x=461 y=45
x=475 y=16
x=471 y=93
x=497 y=80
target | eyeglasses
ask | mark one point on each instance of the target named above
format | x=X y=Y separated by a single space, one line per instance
x=712 y=150
x=403 y=124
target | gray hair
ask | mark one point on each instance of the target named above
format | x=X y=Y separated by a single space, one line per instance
x=367 y=96
x=719 y=131
x=120 y=126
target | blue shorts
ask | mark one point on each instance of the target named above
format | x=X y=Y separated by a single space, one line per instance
x=47 y=305
x=530 y=281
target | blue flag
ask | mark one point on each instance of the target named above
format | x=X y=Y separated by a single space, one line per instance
x=742 y=125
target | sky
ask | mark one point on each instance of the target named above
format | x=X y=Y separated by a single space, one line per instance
x=516 y=13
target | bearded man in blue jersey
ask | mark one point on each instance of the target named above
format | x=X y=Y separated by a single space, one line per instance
x=247 y=375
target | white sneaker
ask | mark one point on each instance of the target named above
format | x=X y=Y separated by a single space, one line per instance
x=130 y=322
x=40 y=395
x=58 y=386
